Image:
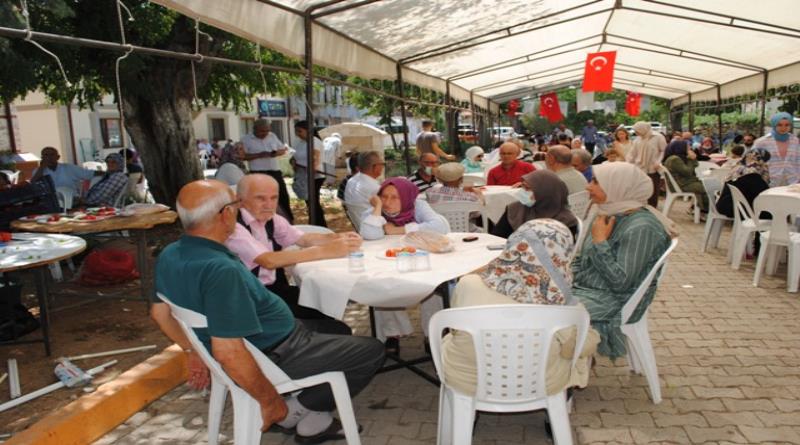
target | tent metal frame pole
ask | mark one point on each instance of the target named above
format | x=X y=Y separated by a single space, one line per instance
x=677 y=76
x=682 y=53
x=472 y=111
x=522 y=60
x=711 y=22
x=730 y=17
x=342 y=8
x=310 y=124
x=691 y=114
x=764 y=103
x=442 y=50
x=401 y=94
x=12 y=139
x=577 y=66
x=448 y=118
x=719 y=114
x=650 y=85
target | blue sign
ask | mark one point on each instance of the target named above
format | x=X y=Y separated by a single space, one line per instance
x=271 y=108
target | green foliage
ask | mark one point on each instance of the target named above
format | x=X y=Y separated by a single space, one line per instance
x=740 y=121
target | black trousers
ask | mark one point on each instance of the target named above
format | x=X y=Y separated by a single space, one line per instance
x=308 y=316
x=306 y=352
x=285 y=207
x=319 y=217
x=653 y=200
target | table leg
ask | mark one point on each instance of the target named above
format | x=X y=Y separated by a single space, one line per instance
x=141 y=260
x=40 y=276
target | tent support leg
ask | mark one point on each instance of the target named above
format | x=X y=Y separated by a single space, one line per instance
x=401 y=94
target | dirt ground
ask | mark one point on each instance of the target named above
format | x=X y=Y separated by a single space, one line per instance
x=81 y=323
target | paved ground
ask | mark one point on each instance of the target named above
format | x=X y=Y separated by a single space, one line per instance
x=728 y=356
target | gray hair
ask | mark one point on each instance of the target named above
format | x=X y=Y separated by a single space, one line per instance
x=260 y=123
x=205 y=212
x=244 y=185
x=367 y=159
x=562 y=154
x=583 y=155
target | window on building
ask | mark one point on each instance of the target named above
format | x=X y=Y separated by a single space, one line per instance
x=276 y=126
x=246 y=125
x=111 y=131
x=217 y=129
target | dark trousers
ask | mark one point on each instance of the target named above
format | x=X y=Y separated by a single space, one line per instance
x=319 y=217
x=312 y=318
x=653 y=200
x=284 y=206
x=589 y=147
x=305 y=353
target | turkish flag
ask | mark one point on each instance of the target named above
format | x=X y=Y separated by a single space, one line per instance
x=598 y=74
x=513 y=106
x=549 y=109
x=633 y=103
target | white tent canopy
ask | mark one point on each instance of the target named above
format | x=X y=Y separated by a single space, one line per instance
x=501 y=49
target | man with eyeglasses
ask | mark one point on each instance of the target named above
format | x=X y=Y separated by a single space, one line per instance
x=260 y=237
x=199 y=273
x=425 y=176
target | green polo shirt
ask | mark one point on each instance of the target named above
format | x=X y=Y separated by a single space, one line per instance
x=204 y=276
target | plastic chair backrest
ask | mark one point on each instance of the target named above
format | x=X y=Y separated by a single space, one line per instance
x=579 y=203
x=190 y=320
x=65 y=196
x=540 y=165
x=13 y=176
x=784 y=210
x=743 y=210
x=672 y=185
x=355 y=212
x=512 y=343
x=712 y=186
x=305 y=228
x=658 y=269
x=457 y=213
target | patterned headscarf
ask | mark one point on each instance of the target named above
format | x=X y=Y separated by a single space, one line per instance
x=408 y=195
x=518 y=272
x=229 y=155
x=774 y=122
x=754 y=161
x=118 y=159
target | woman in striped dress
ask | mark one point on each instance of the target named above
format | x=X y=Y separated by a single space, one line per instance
x=626 y=239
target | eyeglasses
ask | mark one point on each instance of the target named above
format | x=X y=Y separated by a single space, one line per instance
x=234 y=204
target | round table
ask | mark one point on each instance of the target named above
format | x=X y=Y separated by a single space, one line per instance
x=496 y=198
x=35 y=251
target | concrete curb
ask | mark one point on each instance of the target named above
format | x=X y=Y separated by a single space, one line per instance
x=92 y=416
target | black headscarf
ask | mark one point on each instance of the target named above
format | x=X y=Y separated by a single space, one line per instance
x=551 y=195
x=677 y=148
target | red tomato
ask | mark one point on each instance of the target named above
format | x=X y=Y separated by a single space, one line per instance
x=391 y=253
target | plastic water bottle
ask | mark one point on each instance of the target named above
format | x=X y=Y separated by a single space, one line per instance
x=422 y=260
x=405 y=262
x=355 y=262
x=70 y=374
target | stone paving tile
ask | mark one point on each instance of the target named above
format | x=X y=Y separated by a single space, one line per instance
x=728 y=356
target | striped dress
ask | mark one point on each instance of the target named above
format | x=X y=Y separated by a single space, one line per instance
x=608 y=273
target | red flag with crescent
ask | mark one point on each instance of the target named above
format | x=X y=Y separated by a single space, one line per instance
x=513 y=106
x=549 y=108
x=632 y=103
x=598 y=74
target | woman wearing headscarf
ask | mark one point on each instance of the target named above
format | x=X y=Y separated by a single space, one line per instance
x=626 y=239
x=114 y=182
x=520 y=276
x=750 y=176
x=543 y=195
x=784 y=150
x=231 y=169
x=397 y=211
x=472 y=160
x=681 y=162
x=647 y=151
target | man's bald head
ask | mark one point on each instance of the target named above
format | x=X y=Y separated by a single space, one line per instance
x=560 y=155
x=428 y=157
x=509 y=152
x=199 y=202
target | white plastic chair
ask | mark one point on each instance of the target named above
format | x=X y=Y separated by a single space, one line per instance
x=583 y=227
x=65 y=196
x=641 y=357
x=355 y=212
x=714 y=220
x=457 y=214
x=13 y=176
x=579 y=203
x=674 y=192
x=745 y=225
x=247 y=420
x=204 y=157
x=305 y=228
x=540 y=165
x=511 y=343
x=784 y=211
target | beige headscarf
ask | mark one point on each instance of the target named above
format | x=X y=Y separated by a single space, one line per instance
x=627 y=188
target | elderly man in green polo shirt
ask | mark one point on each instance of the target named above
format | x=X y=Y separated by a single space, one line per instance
x=199 y=273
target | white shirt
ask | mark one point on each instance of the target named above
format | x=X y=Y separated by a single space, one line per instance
x=69 y=175
x=360 y=188
x=229 y=173
x=253 y=145
x=332 y=146
x=301 y=154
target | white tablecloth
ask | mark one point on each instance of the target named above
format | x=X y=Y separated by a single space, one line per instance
x=792 y=191
x=497 y=197
x=327 y=285
x=28 y=249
